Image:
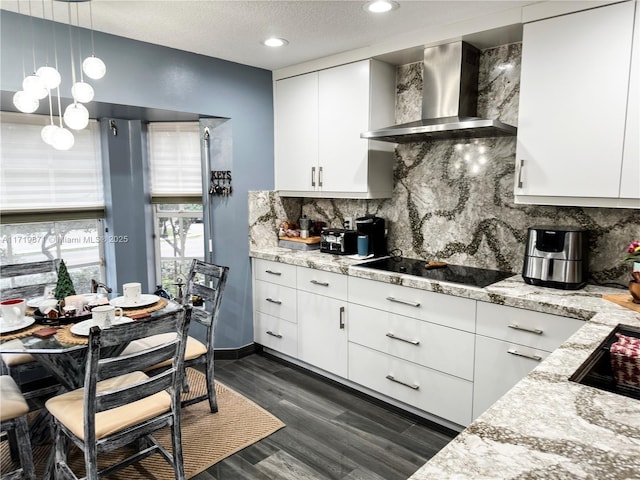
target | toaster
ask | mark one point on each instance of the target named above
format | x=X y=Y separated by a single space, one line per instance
x=556 y=257
x=338 y=241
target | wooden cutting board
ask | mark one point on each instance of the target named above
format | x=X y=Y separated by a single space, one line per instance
x=624 y=299
x=308 y=240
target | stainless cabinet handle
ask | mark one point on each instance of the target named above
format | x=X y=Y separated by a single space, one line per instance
x=277 y=335
x=404 y=302
x=393 y=379
x=412 y=342
x=320 y=177
x=341 y=318
x=525 y=329
x=513 y=351
x=520 y=166
x=322 y=284
x=313 y=176
x=271 y=300
x=271 y=272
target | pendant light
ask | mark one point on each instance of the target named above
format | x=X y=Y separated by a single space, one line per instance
x=62 y=139
x=76 y=115
x=33 y=84
x=93 y=67
x=81 y=91
x=49 y=75
x=23 y=100
x=52 y=80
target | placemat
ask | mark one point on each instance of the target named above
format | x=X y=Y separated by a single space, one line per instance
x=22 y=333
x=64 y=335
x=159 y=305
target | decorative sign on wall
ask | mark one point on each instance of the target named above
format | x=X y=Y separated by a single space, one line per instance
x=220 y=183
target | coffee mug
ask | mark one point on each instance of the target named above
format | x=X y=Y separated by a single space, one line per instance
x=132 y=292
x=104 y=315
x=13 y=310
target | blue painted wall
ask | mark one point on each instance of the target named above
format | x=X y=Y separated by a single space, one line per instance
x=150 y=76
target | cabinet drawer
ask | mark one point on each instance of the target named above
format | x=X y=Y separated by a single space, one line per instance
x=276 y=333
x=275 y=300
x=497 y=370
x=275 y=272
x=434 y=346
x=429 y=390
x=328 y=284
x=526 y=327
x=447 y=310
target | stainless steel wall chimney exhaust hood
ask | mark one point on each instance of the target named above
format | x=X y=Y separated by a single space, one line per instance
x=449 y=100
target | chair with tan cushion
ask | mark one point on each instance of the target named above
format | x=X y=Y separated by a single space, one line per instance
x=207 y=281
x=120 y=404
x=13 y=420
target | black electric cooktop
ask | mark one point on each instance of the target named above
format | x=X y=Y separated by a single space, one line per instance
x=475 y=277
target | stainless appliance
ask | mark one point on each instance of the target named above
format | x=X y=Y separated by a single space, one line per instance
x=449 y=100
x=556 y=257
x=374 y=228
x=461 y=274
x=338 y=241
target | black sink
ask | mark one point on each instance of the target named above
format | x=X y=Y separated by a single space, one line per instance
x=596 y=371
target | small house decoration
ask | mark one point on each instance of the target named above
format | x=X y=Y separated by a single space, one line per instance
x=64 y=287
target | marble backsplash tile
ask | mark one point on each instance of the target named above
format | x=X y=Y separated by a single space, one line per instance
x=452 y=200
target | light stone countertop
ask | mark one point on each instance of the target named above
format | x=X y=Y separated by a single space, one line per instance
x=545 y=427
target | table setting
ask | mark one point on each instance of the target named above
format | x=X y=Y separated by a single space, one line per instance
x=69 y=319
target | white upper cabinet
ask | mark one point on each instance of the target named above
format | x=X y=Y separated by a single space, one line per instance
x=319 y=117
x=575 y=108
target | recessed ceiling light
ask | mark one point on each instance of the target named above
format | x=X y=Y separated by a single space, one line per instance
x=275 y=42
x=381 y=6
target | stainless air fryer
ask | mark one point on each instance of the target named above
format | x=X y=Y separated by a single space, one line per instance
x=556 y=257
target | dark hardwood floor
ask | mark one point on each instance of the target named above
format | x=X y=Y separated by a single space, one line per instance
x=331 y=433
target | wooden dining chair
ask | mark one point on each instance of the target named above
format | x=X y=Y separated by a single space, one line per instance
x=13 y=420
x=30 y=280
x=120 y=404
x=207 y=281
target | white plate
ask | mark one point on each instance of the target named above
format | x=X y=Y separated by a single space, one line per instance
x=145 y=300
x=82 y=328
x=34 y=302
x=26 y=321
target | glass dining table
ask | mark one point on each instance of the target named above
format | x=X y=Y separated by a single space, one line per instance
x=63 y=353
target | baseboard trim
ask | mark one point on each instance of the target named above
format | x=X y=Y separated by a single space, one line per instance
x=236 y=353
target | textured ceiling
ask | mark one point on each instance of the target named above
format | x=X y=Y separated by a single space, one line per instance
x=233 y=30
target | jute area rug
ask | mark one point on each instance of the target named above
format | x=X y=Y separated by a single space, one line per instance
x=206 y=438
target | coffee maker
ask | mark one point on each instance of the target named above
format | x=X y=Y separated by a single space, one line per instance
x=374 y=228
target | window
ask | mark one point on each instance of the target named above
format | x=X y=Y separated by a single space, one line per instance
x=176 y=190
x=36 y=178
x=52 y=202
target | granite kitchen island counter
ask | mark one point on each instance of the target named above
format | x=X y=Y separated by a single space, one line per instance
x=545 y=427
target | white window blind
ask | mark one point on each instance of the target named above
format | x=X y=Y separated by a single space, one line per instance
x=174 y=157
x=36 y=177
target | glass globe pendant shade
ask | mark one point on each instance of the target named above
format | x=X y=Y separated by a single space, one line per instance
x=76 y=116
x=35 y=86
x=93 y=67
x=25 y=102
x=49 y=76
x=62 y=139
x=82 y=92
x=48 y=132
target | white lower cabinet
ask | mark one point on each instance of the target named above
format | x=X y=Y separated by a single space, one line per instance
x=322 y=337
x=441 y=348
x=510 y=342
x=435 y=392
x=447 y=356
x=276 y=333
